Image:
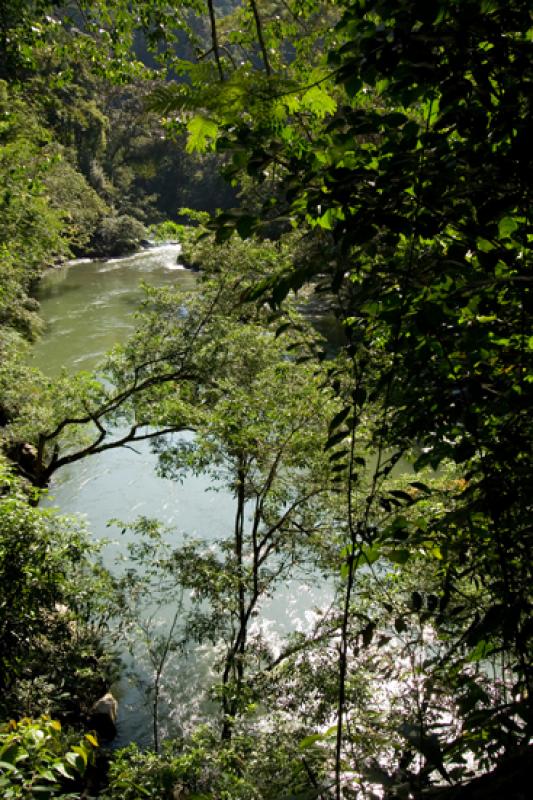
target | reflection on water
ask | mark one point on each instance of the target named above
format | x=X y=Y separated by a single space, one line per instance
x=88 y=307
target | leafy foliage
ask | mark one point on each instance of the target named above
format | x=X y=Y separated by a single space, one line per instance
x=413 y=181
x=255 y=764
x=393 y=139
x=30 y=230
x=38 y=760
x=53 y=605
x=119 y=235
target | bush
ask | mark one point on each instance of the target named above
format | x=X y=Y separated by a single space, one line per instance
x=38 y=760
x=79 y=205
x=53 y=600
x=267 y=764
x=202 y=768
x=167 y=231
x=117 y=236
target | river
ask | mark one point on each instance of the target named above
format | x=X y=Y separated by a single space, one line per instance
x=88 y=306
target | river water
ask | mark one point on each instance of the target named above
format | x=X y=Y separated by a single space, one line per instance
x=88 y=306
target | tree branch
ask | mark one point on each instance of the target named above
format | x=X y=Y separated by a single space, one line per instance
x=96 y=447
x=214 y=38
x=260 y=37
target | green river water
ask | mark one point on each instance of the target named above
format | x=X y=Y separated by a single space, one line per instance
x=88 y=306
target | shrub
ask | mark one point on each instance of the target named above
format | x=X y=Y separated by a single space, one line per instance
x=167 y=231
x=118 y=236
x=38 y=760
x=53 y=598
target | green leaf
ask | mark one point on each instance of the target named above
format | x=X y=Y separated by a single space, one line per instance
x=142 y=790
x=507 y=226
x=310 y=740
x=201 y=133
x=339 y=418
x=282 y=328
x=47 y=774
x=359 y=396
x=62 y=770
x=75 y=760
x=245 y=225
x=400 y=495
x=319 y=102
x=328 y=219
x=369 y=555
x=10 y=752
x=399 y=556
x=420 y=486
x=353 y=86
x=333 y=440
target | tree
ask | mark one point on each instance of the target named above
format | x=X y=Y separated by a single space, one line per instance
x=30 y=230
x=263 y=440
x=172 y=355
x=415 y=184
x=396 y=143
x=259 y=418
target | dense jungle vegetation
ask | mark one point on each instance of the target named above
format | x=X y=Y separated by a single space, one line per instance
x=368 y=157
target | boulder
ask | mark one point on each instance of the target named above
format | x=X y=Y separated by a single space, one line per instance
x=103 y=716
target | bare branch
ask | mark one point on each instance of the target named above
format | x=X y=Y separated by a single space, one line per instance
x=117 y=400
x=97 y=447
x=281 y=521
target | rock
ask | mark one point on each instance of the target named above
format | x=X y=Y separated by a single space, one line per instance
x=28 y=451
x=188 y=263
x=26 y=458
x=103 y=716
